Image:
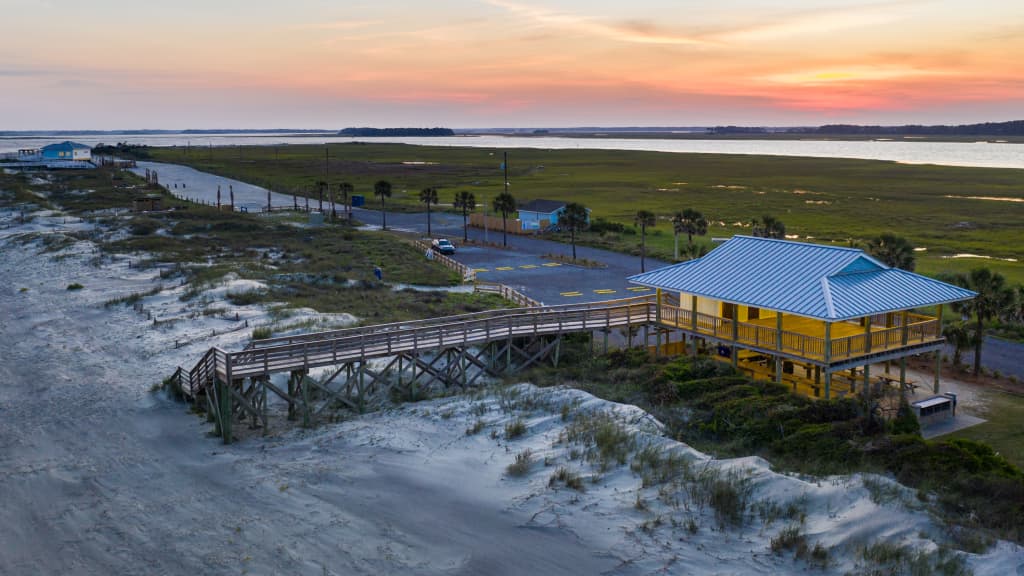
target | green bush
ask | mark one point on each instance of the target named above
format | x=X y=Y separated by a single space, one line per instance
x=905 y=421
x=142 y=226
x=75 y=286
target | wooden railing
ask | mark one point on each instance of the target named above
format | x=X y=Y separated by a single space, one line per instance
x=467 y=273
x=334 y=347
x=919 y=329
x=508 y=293
x=263 y=357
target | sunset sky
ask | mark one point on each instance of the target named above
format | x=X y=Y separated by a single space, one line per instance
x=108 y=64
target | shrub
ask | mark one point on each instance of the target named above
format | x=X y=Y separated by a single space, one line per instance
x=144 y=226
x=246 y=298
x=522 y=464
x=568 y=478
x=515 y=429
x=261 y=333
x=905 y=421
x=476 y=427
x=75 y=286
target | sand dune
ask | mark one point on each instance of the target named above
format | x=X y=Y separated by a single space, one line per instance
x=100 y=476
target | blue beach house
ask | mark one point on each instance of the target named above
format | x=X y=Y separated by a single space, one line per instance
x=540 y=214
x=67 y=150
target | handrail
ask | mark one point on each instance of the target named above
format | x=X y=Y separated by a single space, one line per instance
x=440 y=320
x=275 y=353
x=506 y=292
x=468 y=274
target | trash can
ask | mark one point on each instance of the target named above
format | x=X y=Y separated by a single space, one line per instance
x=358 y=200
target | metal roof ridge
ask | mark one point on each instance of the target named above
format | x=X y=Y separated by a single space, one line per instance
x=827 y=293
x=799 y=243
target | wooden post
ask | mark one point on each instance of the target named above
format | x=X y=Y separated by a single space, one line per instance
x=226 y=416
x=778 y=347
x=735 y=336
x=657 y=318
x=693 y=322
x=263 y=399
x=867 y=334
x=867 y=380
x=903 y=375
x=828 y=359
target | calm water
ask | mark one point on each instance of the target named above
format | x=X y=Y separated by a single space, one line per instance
x=996 y=155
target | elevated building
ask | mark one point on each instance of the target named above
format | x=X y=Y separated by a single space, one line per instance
x=67 y=150
x=803 y=313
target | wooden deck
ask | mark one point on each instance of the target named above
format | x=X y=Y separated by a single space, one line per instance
x=803 y=337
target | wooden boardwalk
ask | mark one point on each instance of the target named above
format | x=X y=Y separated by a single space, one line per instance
x=236 y=383
x=455 y=351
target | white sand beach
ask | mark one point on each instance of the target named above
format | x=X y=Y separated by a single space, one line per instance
x=100 y=476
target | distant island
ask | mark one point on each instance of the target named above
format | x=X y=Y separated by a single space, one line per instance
x=1012 y=128
x=397 y=132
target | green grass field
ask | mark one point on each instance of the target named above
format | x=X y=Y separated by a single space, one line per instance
x=824 y=200
x=1003 y=431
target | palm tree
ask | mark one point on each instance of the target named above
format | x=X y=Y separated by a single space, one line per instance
x=894 y=251
x=769 y=227
x=643 y=220
x=959 y=335
x=573 y=217
x=428 y=196
x=994 y=298
x=691 y=222
x=346 y=189
x=506 y=204
x=466 y=202
x=694 y=251
x=382 y=188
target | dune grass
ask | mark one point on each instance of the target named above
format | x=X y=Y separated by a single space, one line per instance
x=829 y=200
x=329 y=268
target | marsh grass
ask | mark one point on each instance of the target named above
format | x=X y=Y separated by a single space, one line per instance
x=820 y=197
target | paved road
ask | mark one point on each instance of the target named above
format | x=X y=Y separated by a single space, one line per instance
x=997 y=354
x=522 y=265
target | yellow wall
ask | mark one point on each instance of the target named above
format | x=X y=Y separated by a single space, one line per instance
x=716 y=308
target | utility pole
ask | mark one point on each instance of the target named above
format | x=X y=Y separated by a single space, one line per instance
x=505 y=165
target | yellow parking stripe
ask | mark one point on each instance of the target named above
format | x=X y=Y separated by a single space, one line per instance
x=504 y=268
x=572 y=293
x=605 y=291
x=480 y=270
x=528 y=266
x=550 y=264
x=638 y=289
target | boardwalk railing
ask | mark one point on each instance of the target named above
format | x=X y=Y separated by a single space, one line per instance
x=467 y=273
x=506 y=292
x=305 y=351
x=919 y=329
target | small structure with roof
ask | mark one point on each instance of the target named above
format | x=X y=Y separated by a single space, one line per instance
x=68 y=151
x=539 y=214
x=804 y=313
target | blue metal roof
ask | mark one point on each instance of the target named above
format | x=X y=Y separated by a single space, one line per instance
x=822 y=282
x=66 y=145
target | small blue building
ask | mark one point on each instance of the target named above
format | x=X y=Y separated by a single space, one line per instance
x=67 y=150
x=539 y=214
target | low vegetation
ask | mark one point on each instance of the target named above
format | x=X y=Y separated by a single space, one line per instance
x=329 y=268
x=705 y=404
x=823 y=198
